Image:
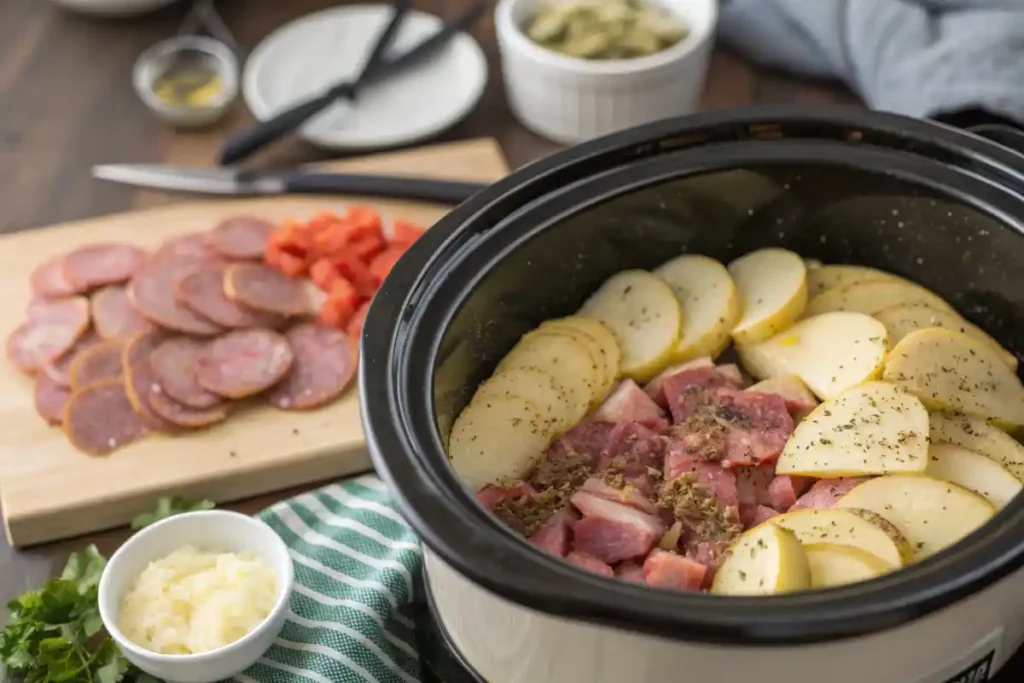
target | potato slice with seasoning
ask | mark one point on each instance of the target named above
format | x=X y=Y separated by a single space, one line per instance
x=773 y=293
x=709 y=301
x=642 y=312
x=858 y=528
x=766 y=560
x=598 y=338
x=833 y=564
x=537 y=387
x=566 y=359
x=974 y=433
x=873 y=428
x=872 y=297
x=830 y=352
x=497 y=437
x=931 y=513
x=974 y=472
x=950 y=371
x=823 y=277
x=902 y=320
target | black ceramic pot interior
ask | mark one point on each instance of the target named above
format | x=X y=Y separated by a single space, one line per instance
x=936 y=206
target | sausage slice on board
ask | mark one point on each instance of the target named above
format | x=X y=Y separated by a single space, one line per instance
x=325 y=363
x=266 y=289
x=173 y=364
x=60 y=370
x=113 y=314
x=243 y=362
x=98 y=363
x=49 y=335
x=192 y=247
x=95 y=265
x=184 y=416
x=240 y=237
x=99 y=419
x=48 y=279
x=139 y=381
x=151 y=291
x=202 y=290
x=50 y=399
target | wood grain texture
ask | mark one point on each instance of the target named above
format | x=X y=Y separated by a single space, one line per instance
x=50 y=490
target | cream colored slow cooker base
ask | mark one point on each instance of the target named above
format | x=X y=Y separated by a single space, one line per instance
x=507 y=643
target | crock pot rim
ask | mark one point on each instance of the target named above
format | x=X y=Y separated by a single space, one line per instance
x=377 y=348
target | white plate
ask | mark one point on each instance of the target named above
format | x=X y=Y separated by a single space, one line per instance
x=303 y=58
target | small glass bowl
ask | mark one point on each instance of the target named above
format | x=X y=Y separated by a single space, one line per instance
x=154 y=62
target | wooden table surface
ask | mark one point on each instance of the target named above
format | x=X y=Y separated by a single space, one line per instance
x=66 y=103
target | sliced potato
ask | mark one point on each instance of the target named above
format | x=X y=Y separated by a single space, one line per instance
x=830 y=352
x=833 y=564
x=537 y=387
x=643 y=313
x=499 y=437
x=832 y=276
x=902 y=320
x=600 y=333
x=977 y=435
x=765 y=560
x=565 y=359
x=789 y=387
x=872 y=428
x=605 y=372
x=710 y=304
x=948 y=370
x=858 y=528
x=931 y=513
x=872 y=297
x=811 y=264
x=974 y=472
x=772 y=284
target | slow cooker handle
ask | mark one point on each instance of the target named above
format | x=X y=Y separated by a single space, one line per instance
x=1007 y=136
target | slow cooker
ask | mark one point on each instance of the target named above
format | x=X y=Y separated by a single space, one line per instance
x=941 y=206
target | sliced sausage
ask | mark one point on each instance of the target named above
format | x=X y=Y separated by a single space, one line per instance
x=184 y=416
x=140 y=383
x=191 y=247
x=324 y=365
x=202 y=290
x=173 y=364
x=59 y=371
x=95 y=265
x=48 y=279
x=138 y=349
x=266 y=289
x=243 y=362
x=99 y=419
x=151 y=292
x=241 y=237
x=98 y=363
x=50 y=399
x=49 y=336
x=113 y=314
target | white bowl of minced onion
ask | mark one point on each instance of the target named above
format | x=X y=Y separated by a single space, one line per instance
x=197 y=597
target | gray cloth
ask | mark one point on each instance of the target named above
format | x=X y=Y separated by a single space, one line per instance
x=914 y=57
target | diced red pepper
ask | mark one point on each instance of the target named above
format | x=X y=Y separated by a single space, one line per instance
x=384 y=262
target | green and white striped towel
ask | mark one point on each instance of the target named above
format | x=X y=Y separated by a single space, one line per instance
x=357 y=565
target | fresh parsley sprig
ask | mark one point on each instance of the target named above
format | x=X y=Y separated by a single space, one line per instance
x=55 y=634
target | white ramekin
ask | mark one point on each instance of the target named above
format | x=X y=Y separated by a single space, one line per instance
x=213 y=529
x=570 y=100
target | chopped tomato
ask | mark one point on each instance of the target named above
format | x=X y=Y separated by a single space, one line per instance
x=347 y=256
x=358 y=273
x=405 y=233
x=323 y=274
x=384 y=262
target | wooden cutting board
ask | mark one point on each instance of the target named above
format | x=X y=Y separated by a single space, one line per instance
x=49 y=490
